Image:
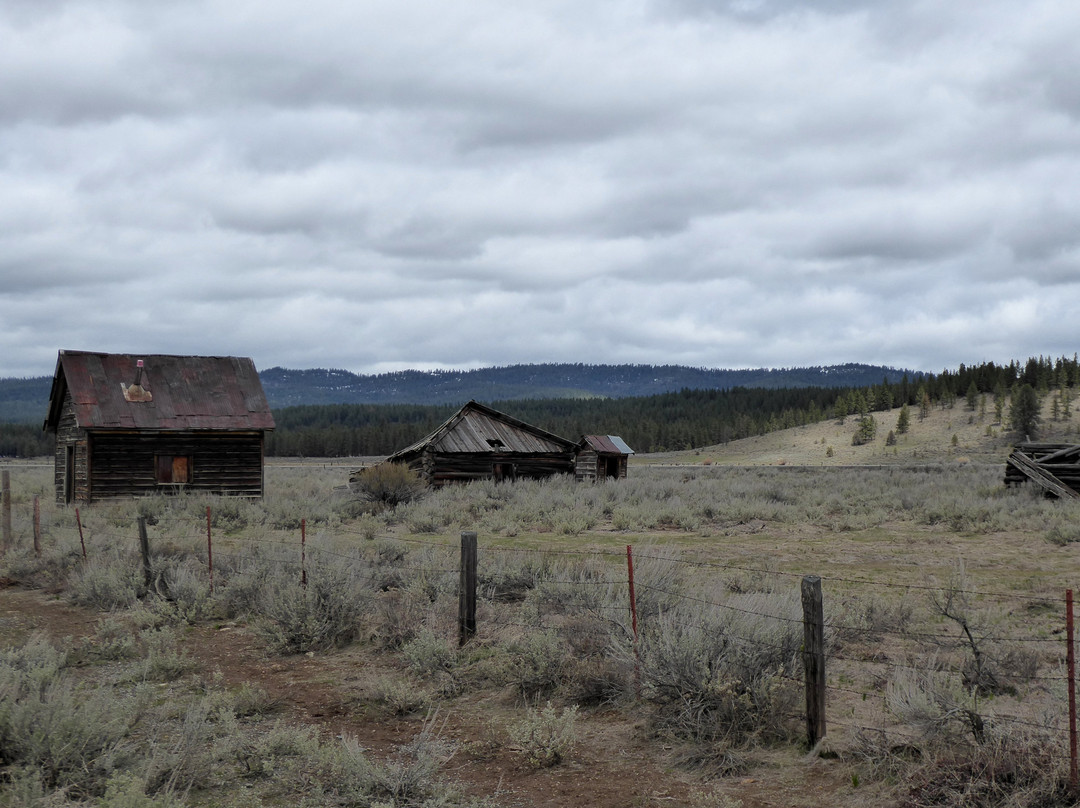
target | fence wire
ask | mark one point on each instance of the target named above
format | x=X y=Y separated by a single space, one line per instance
x=527 y=588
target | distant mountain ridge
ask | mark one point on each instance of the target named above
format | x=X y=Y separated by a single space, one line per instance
x=320 y=386
x=25 y=400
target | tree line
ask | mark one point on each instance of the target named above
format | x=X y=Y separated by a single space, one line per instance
x=675 y=421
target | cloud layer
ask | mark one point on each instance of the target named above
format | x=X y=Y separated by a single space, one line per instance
x=379 y=185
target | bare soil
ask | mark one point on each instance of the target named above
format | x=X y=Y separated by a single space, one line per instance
x=615 y=764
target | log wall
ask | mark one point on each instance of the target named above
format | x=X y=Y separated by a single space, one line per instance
x=68 y=434
x=440 y=469
x=122 y=464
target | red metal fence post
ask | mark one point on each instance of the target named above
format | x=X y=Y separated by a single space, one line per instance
x=209 y=550
x=1070 y=657
x=633 y=617
x=82 y=542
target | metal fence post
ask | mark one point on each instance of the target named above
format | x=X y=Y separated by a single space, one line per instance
x=1070 y=657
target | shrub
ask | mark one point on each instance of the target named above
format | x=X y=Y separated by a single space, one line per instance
x=409 y=778
x=545 y=736
x=106 y=582
x=428 y=654
x=719 y=677
x=69 y=735
x=389 y=483
x=538 y=662
x=324 y=614
x=188 y=588
x=164 y=662
x=188 y=761
x=1024 y=767
x=114 y=639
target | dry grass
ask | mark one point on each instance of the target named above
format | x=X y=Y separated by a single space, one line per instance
x=979 y=439
x=729 y=538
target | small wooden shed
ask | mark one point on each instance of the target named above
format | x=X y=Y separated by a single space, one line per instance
x=131 y=425
x=601 y=457
x=479 y=443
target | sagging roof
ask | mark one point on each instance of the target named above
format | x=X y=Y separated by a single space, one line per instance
x=171 y=392
x=477 y=429
x=606 y=444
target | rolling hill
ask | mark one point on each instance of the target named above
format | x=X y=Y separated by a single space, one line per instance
x=25 y=400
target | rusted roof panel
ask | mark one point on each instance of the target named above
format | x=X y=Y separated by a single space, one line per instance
x=186 y=392
x=607 y=444
x=477 y=429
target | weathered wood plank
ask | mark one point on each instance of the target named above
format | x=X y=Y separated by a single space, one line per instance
x=1038 y=474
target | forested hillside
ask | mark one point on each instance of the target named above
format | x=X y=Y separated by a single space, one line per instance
x=688 y=418
x=294 y=387
x=667 y=422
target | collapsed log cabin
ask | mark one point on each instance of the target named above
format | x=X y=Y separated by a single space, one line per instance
x=1055 y=467
x=128 y=426
x=480 y=443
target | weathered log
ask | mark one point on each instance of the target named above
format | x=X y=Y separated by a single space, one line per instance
x=1040 y=475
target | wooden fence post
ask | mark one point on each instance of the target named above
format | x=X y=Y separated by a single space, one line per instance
x=82 y=541
x=303 y=553
x=37 y=526
x=1070 y=657
x=209 y=551
x=144 y=548
x=467 y=589
x=5 y=520
x=814 y=658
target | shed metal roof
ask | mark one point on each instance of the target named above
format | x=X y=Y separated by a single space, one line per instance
x=607 y=444
x=185 y=392
x=478 y=429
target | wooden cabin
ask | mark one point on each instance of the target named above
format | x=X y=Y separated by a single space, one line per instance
x=131 y=425
x=601 y=457
x=479 y=443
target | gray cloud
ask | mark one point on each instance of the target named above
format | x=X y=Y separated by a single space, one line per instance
x=381 y=185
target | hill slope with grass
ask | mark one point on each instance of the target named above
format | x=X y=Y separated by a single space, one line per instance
x=954 y=434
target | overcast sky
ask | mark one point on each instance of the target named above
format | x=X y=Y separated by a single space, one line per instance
x=401 y=184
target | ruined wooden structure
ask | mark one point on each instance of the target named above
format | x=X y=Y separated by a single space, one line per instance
x=1053 y=466
x=479 y=443
x=133 y=426
x=601 y=457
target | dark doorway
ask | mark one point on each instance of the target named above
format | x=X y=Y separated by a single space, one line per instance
x=503 y=472
x=69 y=476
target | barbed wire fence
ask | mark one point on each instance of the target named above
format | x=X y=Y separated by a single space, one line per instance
x=851 y=661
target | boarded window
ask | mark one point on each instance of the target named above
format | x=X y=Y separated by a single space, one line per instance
x=172 y=469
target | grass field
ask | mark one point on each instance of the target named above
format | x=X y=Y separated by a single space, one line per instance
x=943 y=597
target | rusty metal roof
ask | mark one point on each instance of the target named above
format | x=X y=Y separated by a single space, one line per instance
x=476 y=428
x=179 y=392
x=607 y=444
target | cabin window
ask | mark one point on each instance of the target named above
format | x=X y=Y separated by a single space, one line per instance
x=172 y=469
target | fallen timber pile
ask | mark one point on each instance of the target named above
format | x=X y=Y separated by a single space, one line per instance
x=1054 y=466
